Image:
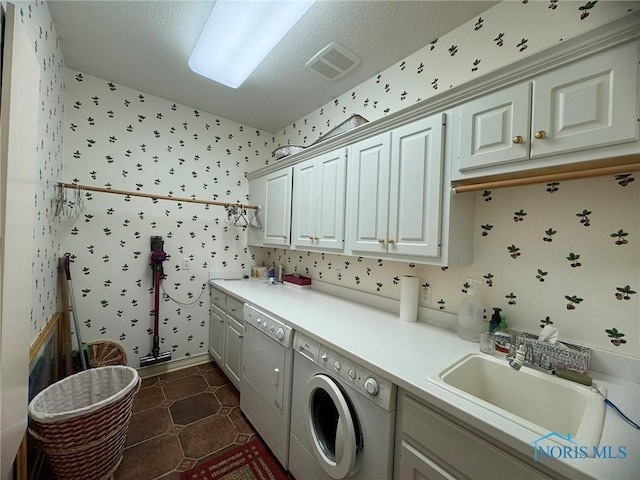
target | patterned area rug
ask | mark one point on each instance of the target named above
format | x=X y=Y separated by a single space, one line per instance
x=251 y=461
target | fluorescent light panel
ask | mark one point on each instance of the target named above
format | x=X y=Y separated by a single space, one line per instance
x=240 y=34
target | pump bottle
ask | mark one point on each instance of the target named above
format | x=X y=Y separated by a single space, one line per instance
x=470 y=313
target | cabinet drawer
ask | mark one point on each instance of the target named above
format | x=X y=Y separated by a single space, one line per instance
x=218 y=298
x=234 y=308
x=458 y=450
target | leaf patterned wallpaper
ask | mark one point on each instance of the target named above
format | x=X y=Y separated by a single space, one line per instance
x=540 y=252
x=121 y=138
x=564 y=254
x=36 y=19
x=118 y=137
x=506 y=33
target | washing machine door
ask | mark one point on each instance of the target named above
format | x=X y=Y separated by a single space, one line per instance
x=333 y=427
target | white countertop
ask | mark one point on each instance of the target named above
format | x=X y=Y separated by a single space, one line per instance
x=408 y=352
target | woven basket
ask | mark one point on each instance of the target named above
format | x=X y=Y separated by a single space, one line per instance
x=103 y=353
x=82 y=421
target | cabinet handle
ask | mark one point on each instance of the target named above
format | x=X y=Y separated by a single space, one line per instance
x=316 y=238
x=381 y=240
x=517 y=139
x=540 y=134
x=390 y=241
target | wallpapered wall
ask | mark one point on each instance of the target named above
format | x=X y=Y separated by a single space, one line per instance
x=37 y=22
x=124 y=139
x=110 y=240
x=508 y=32
x=564 y=254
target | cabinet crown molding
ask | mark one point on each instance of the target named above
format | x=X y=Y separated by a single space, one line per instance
x=606 y=36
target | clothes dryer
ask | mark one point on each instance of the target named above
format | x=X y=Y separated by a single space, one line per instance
x=342 y=417
x=265 y=384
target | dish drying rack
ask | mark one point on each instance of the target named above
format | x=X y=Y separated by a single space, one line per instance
x=550 y=356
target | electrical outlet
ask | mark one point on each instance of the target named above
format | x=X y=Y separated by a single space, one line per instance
x=426 y=293
x=186 y=263
x=338 y=274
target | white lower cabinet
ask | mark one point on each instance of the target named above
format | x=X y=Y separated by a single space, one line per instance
x=430 y=446
x=216 y=333
x=226 y=333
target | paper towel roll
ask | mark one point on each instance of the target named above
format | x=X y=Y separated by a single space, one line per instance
x=409 y=291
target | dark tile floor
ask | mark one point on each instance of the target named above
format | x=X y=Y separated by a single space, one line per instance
x=180 y=419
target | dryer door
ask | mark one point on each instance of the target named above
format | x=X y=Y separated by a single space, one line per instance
x=333 y=427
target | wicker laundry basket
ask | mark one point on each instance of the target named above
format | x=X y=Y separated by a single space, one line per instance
x=105 y=352
x=82 y=421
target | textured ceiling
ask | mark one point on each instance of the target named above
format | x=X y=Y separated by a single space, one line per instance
x=145 y=45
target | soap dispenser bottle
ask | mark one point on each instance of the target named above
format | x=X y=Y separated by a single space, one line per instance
x=502 y=338
x=470 y=313
x=496 y=320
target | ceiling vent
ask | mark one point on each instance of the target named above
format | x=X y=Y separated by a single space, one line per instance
x=333 y=62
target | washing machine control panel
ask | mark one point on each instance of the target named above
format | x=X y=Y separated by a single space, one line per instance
x=267 y=324
x=378 y=389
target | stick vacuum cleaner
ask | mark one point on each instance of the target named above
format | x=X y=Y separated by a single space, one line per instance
x=158 y=255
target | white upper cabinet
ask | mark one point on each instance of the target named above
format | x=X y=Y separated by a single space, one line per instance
x=417 y=153
x=319 y=202
x=272 y=192
x=588 y=105
x=395 y=188
x=369 y=165
x=494 y=129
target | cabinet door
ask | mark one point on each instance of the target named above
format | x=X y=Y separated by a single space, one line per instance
x=493 y=129
x=413 y=464
x=234 y=332
x=318 y=202
x=330 y=188
x=216 y=333
x=455 y=449
x=587 y=104
x=305 y=196
x=257 y=196
x=218 y=298
x=417 y=155
x=369 y=165
x=234 y=308
x=277 y=207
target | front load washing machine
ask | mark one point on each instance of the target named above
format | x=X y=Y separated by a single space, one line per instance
x=342 y=417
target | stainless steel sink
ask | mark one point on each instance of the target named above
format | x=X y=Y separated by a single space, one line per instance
x=535 y=400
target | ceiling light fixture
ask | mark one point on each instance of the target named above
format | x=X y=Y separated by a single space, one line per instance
x=240 y=34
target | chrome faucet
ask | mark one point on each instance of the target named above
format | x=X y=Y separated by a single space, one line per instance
x=524 y=354
x=520 y=357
